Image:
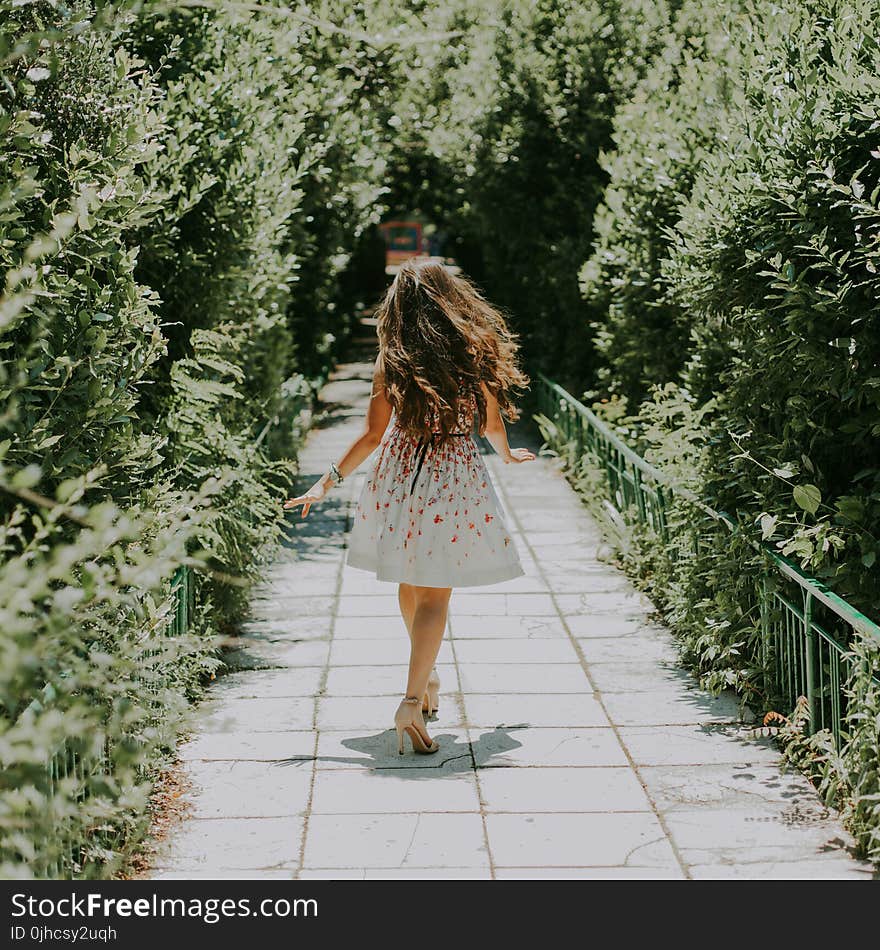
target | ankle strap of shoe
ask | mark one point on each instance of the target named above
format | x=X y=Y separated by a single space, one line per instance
x=412 y=700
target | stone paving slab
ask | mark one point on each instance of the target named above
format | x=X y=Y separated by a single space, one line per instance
x=573 y=746
x=255 y=715
x=591 y=874
x=278 y=791
x=535 y=709
x=682 y=788
x=634 y=839
x=417 y=840
x=575 y=790
x=234 y=844
x=355 y=681
x=529 y=747
x=361 y=791
x=394 y=874
x=283 y=746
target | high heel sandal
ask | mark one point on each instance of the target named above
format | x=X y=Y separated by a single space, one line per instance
x=408 y=719
x=431 y=702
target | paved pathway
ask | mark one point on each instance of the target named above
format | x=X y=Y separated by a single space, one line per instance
x=572 y=744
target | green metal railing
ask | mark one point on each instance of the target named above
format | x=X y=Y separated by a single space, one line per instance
x=806 y=629
x=75 y=762
x=72 y=763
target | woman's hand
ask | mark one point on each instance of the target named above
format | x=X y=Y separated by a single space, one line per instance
x=313 y=495
x=520 y=455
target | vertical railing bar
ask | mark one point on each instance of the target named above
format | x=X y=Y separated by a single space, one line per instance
x=764 y=607
x=834 y=672
x=810 y=659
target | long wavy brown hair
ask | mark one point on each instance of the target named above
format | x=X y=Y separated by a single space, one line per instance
x=439 y=338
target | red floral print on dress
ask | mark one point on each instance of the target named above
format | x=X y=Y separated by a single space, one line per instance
x=452 y=482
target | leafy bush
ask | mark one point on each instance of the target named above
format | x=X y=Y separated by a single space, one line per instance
x=735 y=273
x=167 y=243
x=776 y=257
x=92 y=527
x=681 y=109
x=735 y=284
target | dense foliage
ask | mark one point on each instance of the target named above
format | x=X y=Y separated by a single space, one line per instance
x=734 y=287
x=511 y=119
x=737 y=262
x=172 y=252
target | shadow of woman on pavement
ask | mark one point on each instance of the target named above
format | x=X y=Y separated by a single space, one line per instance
x=378 y=752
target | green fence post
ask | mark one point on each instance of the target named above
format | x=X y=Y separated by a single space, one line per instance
x=180 y=600
x=765 y=601
x=810 y=665
x=663 y=530
x=640 y=495
x=191 y=602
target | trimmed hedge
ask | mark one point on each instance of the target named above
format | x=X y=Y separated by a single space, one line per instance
x=736 y=288
x=173 y=251
x=679 y=112
x=736 y=267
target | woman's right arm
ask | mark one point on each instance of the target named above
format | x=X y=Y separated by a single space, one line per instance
x=496 y=432
x=375 y=424
x=378 y=417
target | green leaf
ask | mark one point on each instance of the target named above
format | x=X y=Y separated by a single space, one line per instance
x=768 y=526
x=808 y=497
x=27 y=477
x=50 y=441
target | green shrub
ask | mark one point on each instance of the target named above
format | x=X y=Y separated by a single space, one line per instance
x=92 y=528
x=776 y=258
x=679 y=112
x=172 y=251
x=735 y=273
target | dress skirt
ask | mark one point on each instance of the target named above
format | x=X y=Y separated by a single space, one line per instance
x=429 y=515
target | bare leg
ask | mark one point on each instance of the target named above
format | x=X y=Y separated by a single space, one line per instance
x=426 y=635
x=406 y=597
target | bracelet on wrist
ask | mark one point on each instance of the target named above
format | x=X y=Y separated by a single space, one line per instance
x=335 y=474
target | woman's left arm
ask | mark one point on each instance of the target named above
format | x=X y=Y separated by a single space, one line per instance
x=378 y=416
x=496 y=432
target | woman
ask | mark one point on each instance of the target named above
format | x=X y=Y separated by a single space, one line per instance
x=428 y=517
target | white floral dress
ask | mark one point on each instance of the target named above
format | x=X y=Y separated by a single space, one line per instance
x=428 y=513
